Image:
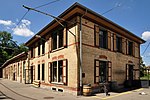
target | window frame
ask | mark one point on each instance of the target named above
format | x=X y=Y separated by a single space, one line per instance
x=54 y=71
x=39 y=48
x=119 y=46
x=130 y=48
x=43 y=72
x=103 y=38
x=24 y=69
x=62 y=78
x=56 y=35
x=38 y=78
x=43 y=46
x=57 y=68
x=32 y=52
x=18 y=69
x=97 y=70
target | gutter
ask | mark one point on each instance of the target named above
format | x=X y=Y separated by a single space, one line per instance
x=81 y=52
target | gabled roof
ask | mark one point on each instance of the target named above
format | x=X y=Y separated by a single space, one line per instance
x=80 y=9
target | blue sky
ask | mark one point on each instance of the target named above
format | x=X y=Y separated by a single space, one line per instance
x=131 y=14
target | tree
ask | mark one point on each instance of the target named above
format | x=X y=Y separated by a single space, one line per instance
x=9 y=47
x=142 y=67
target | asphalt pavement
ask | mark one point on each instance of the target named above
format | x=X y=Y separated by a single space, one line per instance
x=12 y=90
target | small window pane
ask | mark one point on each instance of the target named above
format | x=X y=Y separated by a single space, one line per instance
x=39 y=47
x=103 y=39
x=38 y=71
x=119 y=44
x=54 y=75
x=43 y=46
x=60 y=38
x=130 y=48
x=60 y=70
x=43 y=71
x=54 y=40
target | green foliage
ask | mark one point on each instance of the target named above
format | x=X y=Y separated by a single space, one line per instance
x=9 y=47
x=142 y=67
x=145 y=77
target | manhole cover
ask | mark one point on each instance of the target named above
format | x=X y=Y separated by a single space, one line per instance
x=48 y=97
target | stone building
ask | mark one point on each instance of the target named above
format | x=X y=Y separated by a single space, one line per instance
x=107 y=53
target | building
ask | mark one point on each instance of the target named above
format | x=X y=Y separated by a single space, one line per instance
x=14 y=68
x=108 y=52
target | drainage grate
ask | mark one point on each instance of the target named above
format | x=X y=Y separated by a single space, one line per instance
x=48 y=97
x=54 y=89
x=60 y=90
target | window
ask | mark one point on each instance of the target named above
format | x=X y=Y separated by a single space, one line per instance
x=43 y=71
x=43 y=46
x=118 y=44
x=130 y=48
x=60 y=38
x=18 y=69
x=54 y=71
x=59 y=71
x=24 y=69
x=57 y=39
x=103 y=39
x=38 y=71
x=39 y=49
x=32 y=52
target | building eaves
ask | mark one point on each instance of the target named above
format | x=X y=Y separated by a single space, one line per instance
x=89 y=11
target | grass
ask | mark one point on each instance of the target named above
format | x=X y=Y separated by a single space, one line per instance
x=145 y=77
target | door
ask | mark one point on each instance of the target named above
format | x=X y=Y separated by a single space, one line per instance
x=129 y=75
x=14 y=76
x=103 y=71
x=130 y=72
x=31 y=74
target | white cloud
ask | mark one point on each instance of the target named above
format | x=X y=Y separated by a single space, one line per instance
x=23 y=29
x=26 y=22
x=146 y=35
x=6 y=22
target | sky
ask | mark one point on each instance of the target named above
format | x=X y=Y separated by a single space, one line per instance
x=133 y=15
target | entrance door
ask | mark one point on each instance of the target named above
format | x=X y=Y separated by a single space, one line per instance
x=14 y=76
x=31 y=74
x=103 y=72
x=129 y=75
x=130 y=72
